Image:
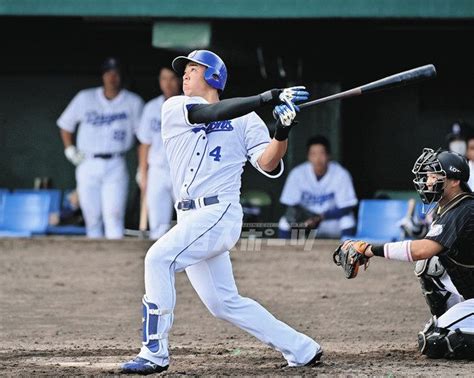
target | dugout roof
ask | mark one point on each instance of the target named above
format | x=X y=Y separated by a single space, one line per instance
x=249 y=9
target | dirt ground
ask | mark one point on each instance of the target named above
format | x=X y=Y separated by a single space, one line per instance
x=73 y=307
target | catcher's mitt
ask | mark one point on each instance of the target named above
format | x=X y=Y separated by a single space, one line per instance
x=350 y=256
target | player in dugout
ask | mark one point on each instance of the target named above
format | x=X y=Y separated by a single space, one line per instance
x=105 y=118
x=319 y=195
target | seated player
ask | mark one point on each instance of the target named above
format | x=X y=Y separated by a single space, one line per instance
x=319 y=194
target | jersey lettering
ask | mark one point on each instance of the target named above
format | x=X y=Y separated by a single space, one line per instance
x=309 y=198
x=97 y=119
x=219 y=126
x=155 y=125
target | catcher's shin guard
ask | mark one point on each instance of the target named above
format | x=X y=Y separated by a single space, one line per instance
x=437 y=342
x=156 y=324
x=429 y=273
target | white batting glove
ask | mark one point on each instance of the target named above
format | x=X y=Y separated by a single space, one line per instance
x=285 y=114
x=291 y=95
x=75 y=156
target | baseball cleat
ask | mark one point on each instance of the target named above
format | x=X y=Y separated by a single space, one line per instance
x=316 y=360
x=142 y=366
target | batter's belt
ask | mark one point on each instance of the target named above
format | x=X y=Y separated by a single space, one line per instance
x=191 y=204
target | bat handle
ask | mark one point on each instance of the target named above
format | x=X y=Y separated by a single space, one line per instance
x=411 y=207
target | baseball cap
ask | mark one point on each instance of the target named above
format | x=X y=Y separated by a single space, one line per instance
x=111 y=63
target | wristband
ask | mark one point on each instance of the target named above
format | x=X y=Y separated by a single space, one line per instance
x=282 y=132
x=270 y=96
x=400 y=251
x=377 y=250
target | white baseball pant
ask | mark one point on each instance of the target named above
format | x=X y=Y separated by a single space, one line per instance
x=102 y=187
x=200 y=244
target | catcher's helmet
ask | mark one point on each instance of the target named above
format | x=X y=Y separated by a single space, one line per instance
x=447 y=165
x=216 y=73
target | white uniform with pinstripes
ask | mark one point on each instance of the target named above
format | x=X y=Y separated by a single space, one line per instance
x=207 y=161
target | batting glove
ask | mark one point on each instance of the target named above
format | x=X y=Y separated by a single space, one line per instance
x=292 y=95
x=75 y=156
x=285 y=118
x=288 y=96
x=285 y=114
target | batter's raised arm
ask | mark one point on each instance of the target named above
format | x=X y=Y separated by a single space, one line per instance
x=284 y=113
x=239 y=106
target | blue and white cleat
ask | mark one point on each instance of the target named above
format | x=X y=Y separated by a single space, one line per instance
x=142 y=366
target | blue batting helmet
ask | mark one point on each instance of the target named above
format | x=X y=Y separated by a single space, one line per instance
x=216 y=73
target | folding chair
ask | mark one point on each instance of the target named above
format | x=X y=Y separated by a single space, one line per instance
x=24 y=214
x=379 y=220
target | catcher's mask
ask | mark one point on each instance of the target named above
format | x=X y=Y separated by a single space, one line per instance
x=443 y=164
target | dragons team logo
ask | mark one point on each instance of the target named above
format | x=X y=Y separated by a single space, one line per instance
x=98 y=119
x=215 y=126
x=219 y=126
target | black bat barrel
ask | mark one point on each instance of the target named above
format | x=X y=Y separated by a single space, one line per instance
x=400 y=79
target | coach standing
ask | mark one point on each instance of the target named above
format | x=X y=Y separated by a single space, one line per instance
x=107 y=117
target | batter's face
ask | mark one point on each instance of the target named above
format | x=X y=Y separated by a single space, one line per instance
x=169 y=83
x=470 y=150
x=319 y=158
x=111 y=79
x=193 y=80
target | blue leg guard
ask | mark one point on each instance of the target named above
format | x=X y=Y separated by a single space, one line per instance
x=153 y=357
x=156 y=324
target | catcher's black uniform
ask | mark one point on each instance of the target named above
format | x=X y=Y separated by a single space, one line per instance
x=448 y=282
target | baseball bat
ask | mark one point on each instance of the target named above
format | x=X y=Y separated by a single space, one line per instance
x=411 y=208
x=143 y=224
x=397 y=80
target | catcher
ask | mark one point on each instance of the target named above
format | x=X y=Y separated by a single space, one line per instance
x=444 y=257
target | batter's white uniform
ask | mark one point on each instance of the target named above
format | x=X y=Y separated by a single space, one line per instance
x=159 y=188
x=333 y=190
x=105 y=127
x=207 y=161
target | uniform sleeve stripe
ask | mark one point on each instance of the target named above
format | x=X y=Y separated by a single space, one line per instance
x=407 y=251
x=256 y=146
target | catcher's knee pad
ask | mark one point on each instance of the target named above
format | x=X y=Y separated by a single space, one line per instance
x=437 y=342
x=429 y=273
x=156 y=324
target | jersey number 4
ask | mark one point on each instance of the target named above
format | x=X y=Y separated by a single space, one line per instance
x=216 y=153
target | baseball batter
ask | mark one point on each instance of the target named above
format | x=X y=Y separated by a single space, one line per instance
x=154 y=172
x=107 y=117
x=445 y=256
x=320 y=194
x=207 y=143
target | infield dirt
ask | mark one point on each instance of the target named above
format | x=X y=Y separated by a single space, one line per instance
x=73 y=307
